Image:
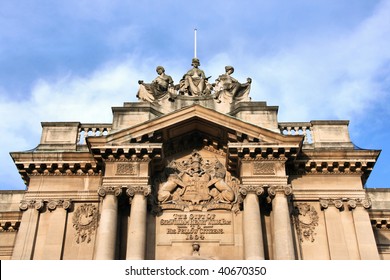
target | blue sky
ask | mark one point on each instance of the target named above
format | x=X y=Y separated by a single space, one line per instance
x=74 y=60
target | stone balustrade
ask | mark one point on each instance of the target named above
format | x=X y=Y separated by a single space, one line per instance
x=297 y=128
x=94 y=129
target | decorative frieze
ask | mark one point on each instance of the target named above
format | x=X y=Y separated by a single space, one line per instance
x=127 y=169
x=85 y=220
x=306 y=220
x=263 y=168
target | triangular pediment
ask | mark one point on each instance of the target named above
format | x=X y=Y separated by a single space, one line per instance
x=195 y=118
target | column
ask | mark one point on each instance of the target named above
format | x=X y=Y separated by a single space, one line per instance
x=253 y=235
x=283 y=246
x=53 y=237
x=136 y=235
x=106 y=235
x=338 y=249
x=364 y=233
x=25 y=239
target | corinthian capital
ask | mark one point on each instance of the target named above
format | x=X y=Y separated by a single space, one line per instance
x=133 y=190
x=258 y=190
x=286 y=190
x=105 y=190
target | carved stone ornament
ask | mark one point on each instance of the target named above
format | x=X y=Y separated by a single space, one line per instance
x=85 y=220
x=144 y=190
x=286 y=190
x=104 y=190
x=196 y=184
x=306 y=221
x=258 y=190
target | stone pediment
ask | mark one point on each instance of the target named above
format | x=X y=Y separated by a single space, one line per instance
x=217 y=126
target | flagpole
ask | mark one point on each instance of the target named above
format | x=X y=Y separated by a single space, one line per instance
x=195 y=42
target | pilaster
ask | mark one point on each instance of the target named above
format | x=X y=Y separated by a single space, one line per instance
x=366 y=241
x=25 y=240
x=338 y=249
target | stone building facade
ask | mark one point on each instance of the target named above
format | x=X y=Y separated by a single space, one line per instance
x=195 y=172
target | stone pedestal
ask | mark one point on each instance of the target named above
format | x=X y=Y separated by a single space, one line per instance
x=106 y=236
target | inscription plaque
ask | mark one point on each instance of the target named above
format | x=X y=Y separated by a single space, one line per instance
x=195 y=226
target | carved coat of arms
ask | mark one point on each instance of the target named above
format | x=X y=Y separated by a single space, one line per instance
x=196 y=183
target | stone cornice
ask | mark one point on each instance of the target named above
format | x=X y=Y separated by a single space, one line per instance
x=10 y=221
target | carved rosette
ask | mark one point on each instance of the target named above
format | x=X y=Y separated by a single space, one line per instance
x=286 y=190
x=306 y=220
x=245 y=190
x=85 y=221
x=105 y=190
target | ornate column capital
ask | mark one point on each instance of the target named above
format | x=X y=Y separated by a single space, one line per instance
x=273 y=190
x=33 y=204
x=353 y=203
x=65 y=204
x=325 y=203
x=133 y=190
x=246 y=189
x=105 y=190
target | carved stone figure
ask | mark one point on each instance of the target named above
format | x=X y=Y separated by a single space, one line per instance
x=195 y=182
x=158 y=88
x=228 y=88
x=194 y=82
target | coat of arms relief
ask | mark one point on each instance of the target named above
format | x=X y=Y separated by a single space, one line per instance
x=195 y=183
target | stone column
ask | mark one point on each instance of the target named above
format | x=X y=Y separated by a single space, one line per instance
x=106 y=235
x=364 y=233
x=56 y=221
x=253 y=235
x=136 y=235
x=25 y=239
x=338 y=249
x=283 y=246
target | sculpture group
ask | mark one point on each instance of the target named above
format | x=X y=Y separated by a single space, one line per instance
x=195 y=84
